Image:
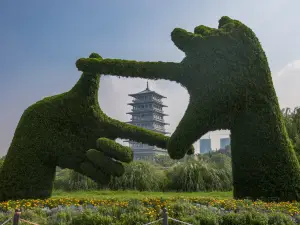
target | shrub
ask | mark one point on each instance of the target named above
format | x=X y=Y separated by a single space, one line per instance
x=198 y=176
x=180 y=209
x=70 y=180
x=204 y=217
x=37 y=216
x=221 y=161
x=88 y=217
x=140 y=175
x=280 y=219
x=164 y=160
x=134 y=218
x=244 y=218
x=4 y=217
x=62 y=217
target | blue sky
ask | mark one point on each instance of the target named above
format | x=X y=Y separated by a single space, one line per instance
x=41 y=40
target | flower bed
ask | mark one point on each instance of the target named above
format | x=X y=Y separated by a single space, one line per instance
x=149 y=209
x=290 y=208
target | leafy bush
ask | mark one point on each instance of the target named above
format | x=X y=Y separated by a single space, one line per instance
x=140 y=175
x=80 y=182
x=134 y=218
x=199 y=175
x=70 y=180
x=165 y=160
x=62 y=217
x=203 y=217
x=244 y=218
x=89 y=217
x=220 y=161
x=180 y=209
x=280 y=219
x=4 y=217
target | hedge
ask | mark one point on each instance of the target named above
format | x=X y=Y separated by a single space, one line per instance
x=68 y=130
x=227 y=76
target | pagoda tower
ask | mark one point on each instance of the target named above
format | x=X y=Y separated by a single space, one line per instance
x=147 y=112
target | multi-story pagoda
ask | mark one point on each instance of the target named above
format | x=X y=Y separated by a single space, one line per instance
x=147 y=112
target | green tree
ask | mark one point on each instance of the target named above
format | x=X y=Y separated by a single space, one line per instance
x=140 y=175
x=164 y=160
x=292 y=123
x=201 y=175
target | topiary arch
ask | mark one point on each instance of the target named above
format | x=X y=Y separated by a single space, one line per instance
x=227 y=76
x=70 y=131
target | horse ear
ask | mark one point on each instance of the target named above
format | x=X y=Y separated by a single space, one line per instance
x=224 y=20
x=182 y=39
x=95 y=56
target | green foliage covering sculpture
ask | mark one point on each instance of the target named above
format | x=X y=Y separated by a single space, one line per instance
x=68 y=130
x=227 y=76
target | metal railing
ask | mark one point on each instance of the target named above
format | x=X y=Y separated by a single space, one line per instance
x=17 y=218
x=164 y=218
x=5 y=222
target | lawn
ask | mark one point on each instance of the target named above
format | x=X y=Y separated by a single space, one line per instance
x=105 y=194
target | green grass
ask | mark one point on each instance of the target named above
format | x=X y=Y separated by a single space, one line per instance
x=105 y=194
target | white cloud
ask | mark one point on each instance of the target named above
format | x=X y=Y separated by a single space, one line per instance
x=289 y=68
x=286 y=83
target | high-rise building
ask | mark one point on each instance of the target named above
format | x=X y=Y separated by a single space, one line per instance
x=147 y=112
x=224 y=142
x=205 y=145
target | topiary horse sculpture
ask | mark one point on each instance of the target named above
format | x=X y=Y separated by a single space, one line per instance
x=70 y=131
x=227 y=76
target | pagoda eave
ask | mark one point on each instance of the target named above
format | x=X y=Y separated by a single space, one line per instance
x=149 y=92
x=142 y=103
x=139 y=112
x=146 y=121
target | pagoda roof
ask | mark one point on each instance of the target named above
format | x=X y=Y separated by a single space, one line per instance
x=147 y=121
x=146 y=92
x=146 y=111
x=149 y=101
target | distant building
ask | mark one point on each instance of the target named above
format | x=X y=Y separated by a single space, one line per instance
x=205 y=145
x=225 y=151
x=224 y=142
x=147 y=112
